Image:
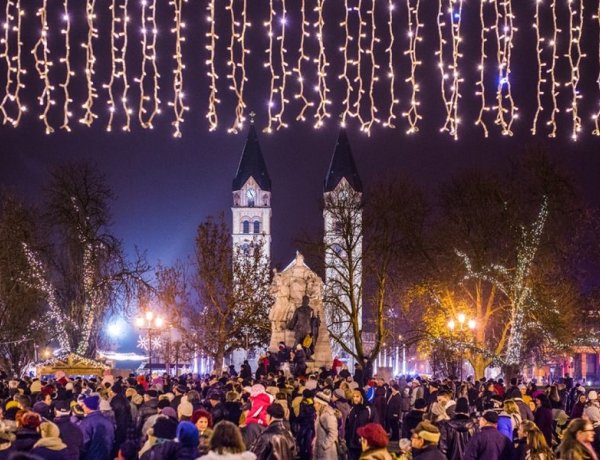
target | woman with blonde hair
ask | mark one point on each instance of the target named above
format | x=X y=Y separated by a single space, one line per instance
x=226 y=443
x=577 y=441
x=531 y=443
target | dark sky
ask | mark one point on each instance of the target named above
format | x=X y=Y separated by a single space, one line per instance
x=166 y=186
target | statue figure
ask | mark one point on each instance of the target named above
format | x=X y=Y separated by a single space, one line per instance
x=301 y=321
x=315 y=323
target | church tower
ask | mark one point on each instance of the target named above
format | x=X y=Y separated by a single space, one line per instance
x=342 y=216
x=252 y=197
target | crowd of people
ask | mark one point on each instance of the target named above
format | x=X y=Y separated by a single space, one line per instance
x=270 y=414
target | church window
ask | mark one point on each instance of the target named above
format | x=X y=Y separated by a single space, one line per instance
x=245 y=227
x=257 y=226
x=246 y=249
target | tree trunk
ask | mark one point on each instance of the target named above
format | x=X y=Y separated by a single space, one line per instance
x=479 y=365
x=218 y=366
x=510 y=370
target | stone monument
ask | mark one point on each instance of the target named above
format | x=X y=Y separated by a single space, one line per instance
x=298 y=288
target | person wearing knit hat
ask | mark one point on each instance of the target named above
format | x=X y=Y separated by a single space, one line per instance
x=69 y=432
x=489 y=443
x=425 y=440
x=98 y=431
x=326 y=428
x=27 y=433
x=6 y=439
x=276 y=441
x=163 y=430
x=50 y=446
x=374 y=441
x=456 y=432
x=185 y=410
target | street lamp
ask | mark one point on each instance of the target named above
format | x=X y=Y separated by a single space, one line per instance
x=462 y=325
x=150 y=323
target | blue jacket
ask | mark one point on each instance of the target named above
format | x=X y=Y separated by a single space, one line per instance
x=488 y=444
x=98 y=437
x=71 y=436
x=49 y=454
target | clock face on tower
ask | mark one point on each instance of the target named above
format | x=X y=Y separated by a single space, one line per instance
x=251 y=195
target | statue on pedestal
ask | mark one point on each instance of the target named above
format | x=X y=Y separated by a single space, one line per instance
x=301 y=322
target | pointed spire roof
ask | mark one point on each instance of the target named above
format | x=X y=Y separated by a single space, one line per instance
x=252 y=164
x=342 y=166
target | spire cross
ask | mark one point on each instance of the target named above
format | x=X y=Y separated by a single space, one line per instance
x=252 y=115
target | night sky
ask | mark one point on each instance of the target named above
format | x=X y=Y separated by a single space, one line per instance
x=165 y=187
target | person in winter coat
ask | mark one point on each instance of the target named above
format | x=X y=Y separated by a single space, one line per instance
x=543 y=416
x=299 y=361
x=592 y=408
x=184 y=447
x=531 y=443
x=276 y=441
x=27 y=431
x=227 y=444
x=393 y=412
x=246 y=371
x=98 y=432
x=6 y=440
x=163 y=430
x=374 y=441
x=306 y=425
x=340 y=403
x=424 y=441
x=233 y=407
x=122 y=411
x=579 y=406
x=359 y=415
x=489 y=443
x=413 y=418
x=49 y=446
x=456 y=432
x=146 y=410
x=203 y=421
x=69 y=432
x=326 y=429
x=260 y=401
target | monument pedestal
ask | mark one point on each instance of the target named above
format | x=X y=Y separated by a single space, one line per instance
x=288 y=288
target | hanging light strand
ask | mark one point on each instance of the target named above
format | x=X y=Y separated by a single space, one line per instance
x=574 y=56
x=484 y=30
x=391 y=73
x=414 y=26
x=269 y=65
x=506 y=108
x=235 y=39
x=149 y=65
x=358 y=64
x=373 y=119
x=552 y=71
x=345 y=24
x=14 y=69
x=43 y=63
x=596 y=116
x=123 y=63
x=302 y=57
x=66 y=60
x=540 y=68
x=179 y=108
x=322 y=64
x=284 y=68
x=90 y=61
x=213 y=100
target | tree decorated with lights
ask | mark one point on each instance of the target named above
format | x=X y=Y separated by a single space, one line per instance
x=85 y=275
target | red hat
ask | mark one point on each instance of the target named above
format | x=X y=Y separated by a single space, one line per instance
x=374 y=434
x=48 y=390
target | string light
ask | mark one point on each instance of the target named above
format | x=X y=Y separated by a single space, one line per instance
x=211 y=115
x=574 y=56
x=284 y=69
x=481 y=82
x=414 y=26
x=322 y=64
x=391 y=73
x=506 y=108
x=358 y=65
x=14 y=69
x=451 y=95
x=149 y=63
x=553 y=83
x=269 y=64
x=367 y=125
x=42 y=64
x=540 y=66
x=118 y=63
x=302 y=57
x=90 y=61
x=346 y=62
x=179 y=108
x=596 y=116
x=66 y=60
x=238 y=87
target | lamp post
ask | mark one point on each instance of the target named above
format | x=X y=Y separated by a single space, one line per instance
x=150 y=323
x=462 y=325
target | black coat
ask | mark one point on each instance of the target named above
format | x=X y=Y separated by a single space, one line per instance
x=488 y=444
x=275 y=442
x=428 y=453
x=233 y=412
x=455 y=434
x=393 y=407
x=359 y=416
x=26 y=438
x=49 y=454
x=147 y=409
x=170 y=450
x=411 y=420
x=71 y=436
x=122 y=410
x=218 y=412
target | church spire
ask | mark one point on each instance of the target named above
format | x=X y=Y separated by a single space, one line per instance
x=252 y=164
x=342 y=166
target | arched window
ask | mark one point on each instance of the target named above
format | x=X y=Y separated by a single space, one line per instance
x=246 y=249
x=257 y=226
x=245 y=227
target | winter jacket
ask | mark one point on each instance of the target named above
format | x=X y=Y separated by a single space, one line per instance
x=577 y=411
x=275 y=442
x=98 y=437
x=242 y=456
x=233 y=412
x=344 y=409
x=454 y=435
x=326 y=435
x=71 y=435
x=170 y=450
x=543 y=419
x=430 y=452
x=488 y=444
x=411 y=420
x=258 y=410
x=359 y=416
x=380 y=403
x=50 y=449
x=146 y=410
x=122 y=411
x=393 y=407
x=26 y=438
x=376 y=454
x=524 y=409
x=306 y=428
x=592 y=411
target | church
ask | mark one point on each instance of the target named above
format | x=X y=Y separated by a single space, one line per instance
x=251 y=221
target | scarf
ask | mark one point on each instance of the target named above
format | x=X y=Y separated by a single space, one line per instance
x=51 y=443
